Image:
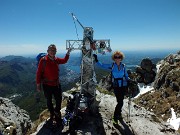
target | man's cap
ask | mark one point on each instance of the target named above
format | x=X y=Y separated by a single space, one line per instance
x=51 y=46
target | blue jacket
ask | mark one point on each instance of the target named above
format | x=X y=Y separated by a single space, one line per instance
x=118 y=76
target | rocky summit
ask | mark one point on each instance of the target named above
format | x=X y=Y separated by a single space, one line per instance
x=139 y=122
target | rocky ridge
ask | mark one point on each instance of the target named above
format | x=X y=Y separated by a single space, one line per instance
x=168 y=74
x=166 y=93
x=13 y=120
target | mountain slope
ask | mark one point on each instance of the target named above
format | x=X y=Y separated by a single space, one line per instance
x=15 y=72
x=166 y=94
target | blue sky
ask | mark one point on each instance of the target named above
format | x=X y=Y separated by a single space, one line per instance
x=29 y=26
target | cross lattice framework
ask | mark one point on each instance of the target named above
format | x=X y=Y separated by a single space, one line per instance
x=78 y=44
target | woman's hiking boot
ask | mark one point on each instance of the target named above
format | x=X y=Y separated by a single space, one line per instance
x=120 y=118
x=114 y=121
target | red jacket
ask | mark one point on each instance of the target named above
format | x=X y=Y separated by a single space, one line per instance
x=48 y=70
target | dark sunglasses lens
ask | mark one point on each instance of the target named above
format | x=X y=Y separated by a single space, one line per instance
x=117 y=57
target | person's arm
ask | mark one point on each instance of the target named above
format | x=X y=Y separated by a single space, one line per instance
x=39 y=75
x=126 y=74
x=129 y=80
x=102 y=65
x=65 y=59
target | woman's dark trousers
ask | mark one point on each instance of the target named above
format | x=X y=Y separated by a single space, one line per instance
x=119 y=93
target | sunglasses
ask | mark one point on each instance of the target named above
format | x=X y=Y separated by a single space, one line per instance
x=53 y=50
x=117 y=57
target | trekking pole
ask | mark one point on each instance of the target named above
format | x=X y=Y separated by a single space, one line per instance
x=129 y=106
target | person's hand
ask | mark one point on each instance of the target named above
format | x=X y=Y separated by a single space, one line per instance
x=95 y=57
x=69 y=50
x=131 y=82
x=37 y=96
x=38 y=87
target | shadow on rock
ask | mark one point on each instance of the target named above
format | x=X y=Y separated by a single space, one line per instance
x=50 y=129
x=123 y=128
x=91 y=124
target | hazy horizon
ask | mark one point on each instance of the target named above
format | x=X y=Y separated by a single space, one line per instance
x=78 y=53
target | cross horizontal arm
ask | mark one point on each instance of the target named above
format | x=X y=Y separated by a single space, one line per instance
x=77 y=44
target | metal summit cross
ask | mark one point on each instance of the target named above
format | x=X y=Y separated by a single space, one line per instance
x=88 y=46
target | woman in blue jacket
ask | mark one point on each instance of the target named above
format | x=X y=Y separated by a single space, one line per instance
x=119 y=81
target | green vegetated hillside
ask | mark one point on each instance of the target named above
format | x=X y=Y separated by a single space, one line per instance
x=17 y=81
x=17 y=75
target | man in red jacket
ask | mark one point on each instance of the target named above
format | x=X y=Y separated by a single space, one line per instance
x=47 y=78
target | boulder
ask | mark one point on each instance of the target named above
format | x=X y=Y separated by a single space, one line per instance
x=145 y=72
x=13 y=120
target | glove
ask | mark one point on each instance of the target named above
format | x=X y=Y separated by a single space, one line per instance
x=130 y=82
x=95 y=57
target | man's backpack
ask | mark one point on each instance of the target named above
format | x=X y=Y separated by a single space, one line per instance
x=39 y=56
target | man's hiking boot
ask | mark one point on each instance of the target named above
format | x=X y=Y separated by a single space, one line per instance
x=58 y=119
x=49 y=123
x=114 y=121
x=120 y=118
x=52 y=117
x=57 y=114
